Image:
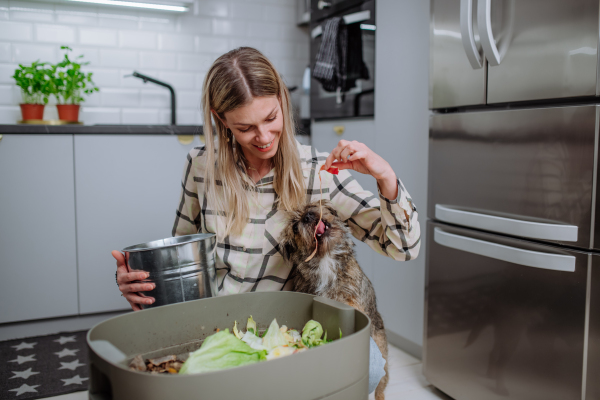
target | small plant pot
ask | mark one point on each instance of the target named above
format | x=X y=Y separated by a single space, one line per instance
x=32 y=111
x=68 y=112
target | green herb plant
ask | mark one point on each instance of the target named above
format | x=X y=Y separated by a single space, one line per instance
x=35 y=81
x=70 y=82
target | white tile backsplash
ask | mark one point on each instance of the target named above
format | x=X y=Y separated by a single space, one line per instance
x=178 y=49
x=54 y=34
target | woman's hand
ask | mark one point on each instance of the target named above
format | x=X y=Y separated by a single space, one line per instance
x=357 y=156
x=128 y=289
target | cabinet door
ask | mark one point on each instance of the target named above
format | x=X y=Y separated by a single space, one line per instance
x=455 y=80
x=324 y=138
x=127 y=190
x=37 y=228
x=547 y=49
x=505 y=318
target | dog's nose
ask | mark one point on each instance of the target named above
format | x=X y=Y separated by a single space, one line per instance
x=308 y=218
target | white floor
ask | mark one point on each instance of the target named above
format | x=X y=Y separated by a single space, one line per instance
x=406 y=381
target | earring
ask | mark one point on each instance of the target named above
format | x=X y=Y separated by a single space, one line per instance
x=227 y=134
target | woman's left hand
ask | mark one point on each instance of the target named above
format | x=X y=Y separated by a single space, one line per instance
x=357 y=156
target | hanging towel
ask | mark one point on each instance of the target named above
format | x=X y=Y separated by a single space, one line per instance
x=339 y=61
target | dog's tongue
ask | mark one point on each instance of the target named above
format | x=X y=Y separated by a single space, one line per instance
x=320 y=228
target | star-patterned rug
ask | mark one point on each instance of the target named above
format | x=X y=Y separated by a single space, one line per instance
x=43 y=366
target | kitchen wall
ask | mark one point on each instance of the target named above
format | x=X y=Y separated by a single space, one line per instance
x=177 y=49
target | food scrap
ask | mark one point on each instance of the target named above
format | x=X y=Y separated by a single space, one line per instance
x=334 y=171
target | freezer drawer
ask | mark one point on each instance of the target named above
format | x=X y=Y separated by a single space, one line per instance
x=546 y=49
x=453 y=80
x=526 y=173
x=505 y=318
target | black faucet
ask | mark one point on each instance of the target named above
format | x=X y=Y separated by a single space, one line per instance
x=149 y=79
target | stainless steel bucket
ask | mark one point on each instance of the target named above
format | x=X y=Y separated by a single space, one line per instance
x=182 y=267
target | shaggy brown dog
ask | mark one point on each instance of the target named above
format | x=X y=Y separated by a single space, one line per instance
x=333 y=272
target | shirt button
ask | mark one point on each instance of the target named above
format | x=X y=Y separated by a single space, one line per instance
x=244 y=248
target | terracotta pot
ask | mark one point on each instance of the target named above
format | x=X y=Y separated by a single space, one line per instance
x=68 y=112
x=32 y=111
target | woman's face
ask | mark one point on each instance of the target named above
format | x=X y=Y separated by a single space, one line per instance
x=257 y=127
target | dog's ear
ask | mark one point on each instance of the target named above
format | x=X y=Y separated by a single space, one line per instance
x=332 y=210
x=287 y=246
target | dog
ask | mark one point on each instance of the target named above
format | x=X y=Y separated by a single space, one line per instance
x=333 y=272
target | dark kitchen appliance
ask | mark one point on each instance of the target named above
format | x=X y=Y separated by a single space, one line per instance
x=360 y=100
x=336 y=371
x=512 y=283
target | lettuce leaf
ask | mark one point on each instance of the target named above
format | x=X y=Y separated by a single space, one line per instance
x=220 y=351
x=274 y=337
x=311 y=334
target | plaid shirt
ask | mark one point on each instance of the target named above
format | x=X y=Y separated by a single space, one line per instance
x=252 y=261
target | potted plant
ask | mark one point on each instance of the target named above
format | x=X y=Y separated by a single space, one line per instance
x=36 y=86
x=70 y=84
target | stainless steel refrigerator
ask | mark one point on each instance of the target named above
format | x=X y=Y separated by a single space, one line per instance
x=513 y=242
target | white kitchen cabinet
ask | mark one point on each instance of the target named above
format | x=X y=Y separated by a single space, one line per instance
x=127 y=191
x=37 y=228
x=325 y=136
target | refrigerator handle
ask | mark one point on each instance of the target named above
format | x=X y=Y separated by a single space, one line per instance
x=484 y=20
x=509 y=226
x=528 y=258
x=466 y=32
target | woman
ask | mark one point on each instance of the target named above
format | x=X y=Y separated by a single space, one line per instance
x=242 y=188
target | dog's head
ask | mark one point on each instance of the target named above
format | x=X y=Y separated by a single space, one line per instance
x=298 y=236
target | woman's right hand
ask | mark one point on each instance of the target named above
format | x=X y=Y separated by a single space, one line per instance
x=129 y=289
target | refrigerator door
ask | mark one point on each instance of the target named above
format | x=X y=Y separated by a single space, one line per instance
x=526 y=173
x=546 y=49
x=593 y=352
x=505 y=318
x=457 y=67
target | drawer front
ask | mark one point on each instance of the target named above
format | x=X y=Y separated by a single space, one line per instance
x=505 y=318
x=525 y=173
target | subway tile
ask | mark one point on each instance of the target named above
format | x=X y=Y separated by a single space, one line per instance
x=153 y=23
x=303 y=51
x=97 y=36
x=200 y=80
x=120 y=97
x=17 y=95
x=10 y=114
x=121 y=19
x=6 y=95
x=24 y=14
x=194 y=62
x=93 y=99
x=175 y=42
x=6 y=73
x=211 y=8
x=54 y=34
x=158 y=60
x=280 y=49
x=77 y=19
x=16 y=31
x=27 y=53
x=247 y=42
x=105 y=78
x=194 y=25
x=139 y=117
x=156 y=98
x=100 y=115
x=137 y=39
x=128 y=81
x=229 y=27
x=291 y=32
x=5 y=53
x=184 y=117
x=119 y=58
x=4 y=5
x=179 y=80
x=208 y=44
x=247 y=11
x=267 y=30
x=280 y=13
x=51 y=113
x=189 y=100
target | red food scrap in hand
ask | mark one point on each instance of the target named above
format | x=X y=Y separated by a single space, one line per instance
x=331 y=170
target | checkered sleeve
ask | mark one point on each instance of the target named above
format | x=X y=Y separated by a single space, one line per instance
x=390 y=227
x=188 y=219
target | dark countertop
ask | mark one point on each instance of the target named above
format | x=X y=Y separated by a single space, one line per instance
x=102 y=129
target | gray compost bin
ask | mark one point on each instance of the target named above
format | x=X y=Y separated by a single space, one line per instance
x=337 y=370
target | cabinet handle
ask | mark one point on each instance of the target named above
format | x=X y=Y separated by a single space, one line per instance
x=339 y=129
x=466 y=33
x=509 y=226
x=185 y=139
x=0 y=138
x=527 y=258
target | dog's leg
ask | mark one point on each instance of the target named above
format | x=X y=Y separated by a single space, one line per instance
x=381 y=340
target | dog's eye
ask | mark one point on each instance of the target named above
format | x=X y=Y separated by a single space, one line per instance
x=295 y=228
x=306 y=219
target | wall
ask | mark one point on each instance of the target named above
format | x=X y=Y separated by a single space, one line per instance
x=401 y=122
x=175 y=48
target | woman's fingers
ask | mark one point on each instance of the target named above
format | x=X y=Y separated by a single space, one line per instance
x=359 y=155
x=126 y=277
x=137 y=287
x=137 y=299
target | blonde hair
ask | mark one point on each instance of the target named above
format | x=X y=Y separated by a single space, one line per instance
x=234 y=80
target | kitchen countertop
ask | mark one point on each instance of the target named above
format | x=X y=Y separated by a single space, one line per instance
x=102 y=129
